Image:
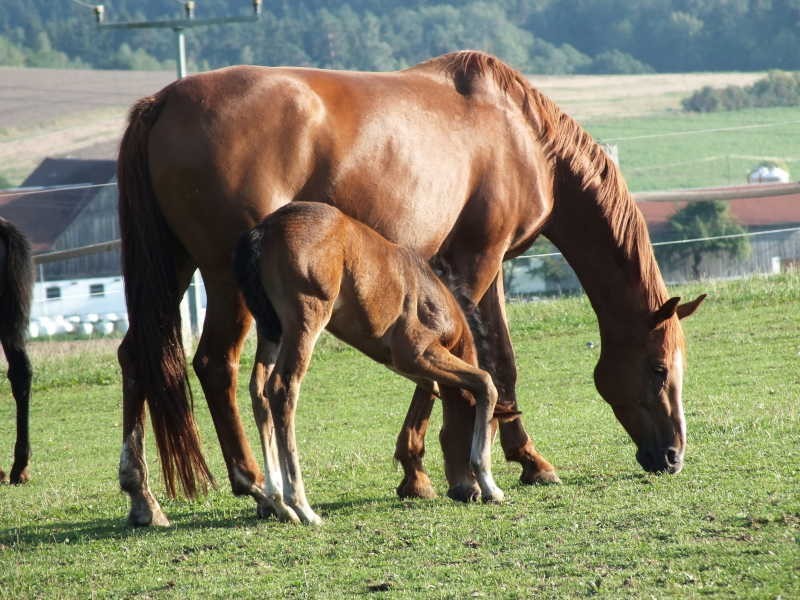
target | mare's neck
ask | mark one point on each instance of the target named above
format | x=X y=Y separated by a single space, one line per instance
x=610 y=252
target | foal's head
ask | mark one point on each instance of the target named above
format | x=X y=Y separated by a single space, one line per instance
x=640 y=374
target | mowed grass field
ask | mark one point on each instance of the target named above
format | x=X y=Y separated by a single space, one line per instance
x=727 y=526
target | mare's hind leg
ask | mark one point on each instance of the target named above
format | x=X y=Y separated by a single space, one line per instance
x=216 y=363
x=271 y=500
x=133 y=473
x=19 y=374
x=410 y=447
x=517 y=445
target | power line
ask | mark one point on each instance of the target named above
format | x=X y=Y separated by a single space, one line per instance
x=686 y=241
x=695 y=131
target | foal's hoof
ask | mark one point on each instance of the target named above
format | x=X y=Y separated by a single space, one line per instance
x=419 y=487
x=533 y=476
x=21 y=477
x=495 y=496
x=464 y=492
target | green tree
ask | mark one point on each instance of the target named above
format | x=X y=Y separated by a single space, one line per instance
x=705 y=219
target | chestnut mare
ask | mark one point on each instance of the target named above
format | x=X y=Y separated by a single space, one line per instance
x=309 y=267
x=459 y=158
x=16 y=290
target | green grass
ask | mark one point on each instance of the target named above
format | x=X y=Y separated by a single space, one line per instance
x=727 y=526
x=701 y=159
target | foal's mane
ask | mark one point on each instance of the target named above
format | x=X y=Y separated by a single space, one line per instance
x=565 y=141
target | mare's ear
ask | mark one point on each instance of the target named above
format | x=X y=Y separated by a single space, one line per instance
x=665 y=312
x=686 y=309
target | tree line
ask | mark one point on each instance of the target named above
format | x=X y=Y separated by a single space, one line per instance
x=536 y=36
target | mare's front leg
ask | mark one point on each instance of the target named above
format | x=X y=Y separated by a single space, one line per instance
x=410 y=447
x=216 y=363
x=497 y=355
x=440 y=365
x=19 y=374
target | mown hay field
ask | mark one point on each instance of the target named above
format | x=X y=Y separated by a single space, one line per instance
x=728 y=525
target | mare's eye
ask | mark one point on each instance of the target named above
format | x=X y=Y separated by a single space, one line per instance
x=660 y=376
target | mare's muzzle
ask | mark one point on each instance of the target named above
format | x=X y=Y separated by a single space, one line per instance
x=667 y=460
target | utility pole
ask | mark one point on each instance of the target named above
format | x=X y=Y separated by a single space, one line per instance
x=179 y=26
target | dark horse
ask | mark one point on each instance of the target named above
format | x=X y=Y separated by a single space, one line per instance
x=16 y=289
x=458 y=158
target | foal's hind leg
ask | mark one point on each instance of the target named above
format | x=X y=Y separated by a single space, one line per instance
x=270 y=501
x=19 y=374
x=410 y=447
x=300 y=335
x=438 y=364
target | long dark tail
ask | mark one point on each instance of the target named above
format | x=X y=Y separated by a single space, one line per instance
x=15 y=301
x=152 y=296
x=246 y=265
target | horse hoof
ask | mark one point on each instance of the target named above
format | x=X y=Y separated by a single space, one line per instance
x=145 y=515
x=495 y=496
x=531 y=477
x=464 y=492
x=2 y=476
x=418 y=488
x=19 y=478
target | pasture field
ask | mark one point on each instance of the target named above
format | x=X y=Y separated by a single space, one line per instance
x=727 y=526
x=661 y=152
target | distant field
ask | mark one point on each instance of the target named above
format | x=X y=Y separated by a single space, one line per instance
x=680 y=150
x=727 y=526
x=45 y=112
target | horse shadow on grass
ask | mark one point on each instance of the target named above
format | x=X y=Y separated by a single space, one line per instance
x=182 y=518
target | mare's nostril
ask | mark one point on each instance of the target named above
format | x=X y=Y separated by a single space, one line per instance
x=672 y=456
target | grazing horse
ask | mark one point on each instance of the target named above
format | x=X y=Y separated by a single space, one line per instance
x=16 y=289
x=309 y=267
x=457 y=158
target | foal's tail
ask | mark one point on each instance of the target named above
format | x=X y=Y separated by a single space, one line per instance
x=152 y=296
x=247 y=267
x=17 y=289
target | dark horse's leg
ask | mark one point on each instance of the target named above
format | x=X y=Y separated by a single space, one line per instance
x=19 y=375
x=216 y=363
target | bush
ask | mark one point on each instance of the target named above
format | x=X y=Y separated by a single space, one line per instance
x=778 y=88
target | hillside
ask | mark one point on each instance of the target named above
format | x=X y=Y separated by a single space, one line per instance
x=47 y=112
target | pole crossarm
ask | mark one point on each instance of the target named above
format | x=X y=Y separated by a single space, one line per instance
x=180 y=23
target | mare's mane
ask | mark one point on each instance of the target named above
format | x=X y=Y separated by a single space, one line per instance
x=565 y=141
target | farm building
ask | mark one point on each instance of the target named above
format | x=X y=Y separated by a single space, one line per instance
x=776 y=217
x=769 y=252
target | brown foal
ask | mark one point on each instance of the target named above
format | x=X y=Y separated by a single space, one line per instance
x=307 y=267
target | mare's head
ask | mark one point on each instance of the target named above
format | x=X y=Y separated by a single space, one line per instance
x=640 y=374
